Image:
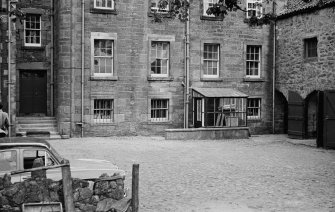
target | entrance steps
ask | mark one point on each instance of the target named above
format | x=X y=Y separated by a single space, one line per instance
x=37 y=126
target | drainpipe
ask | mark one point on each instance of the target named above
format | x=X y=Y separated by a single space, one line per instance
x=9 y=66
x=82 y=64
x=274 y=71
x=187 y=67
x=52 y=60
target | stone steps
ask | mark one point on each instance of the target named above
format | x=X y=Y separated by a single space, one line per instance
x=40 y=127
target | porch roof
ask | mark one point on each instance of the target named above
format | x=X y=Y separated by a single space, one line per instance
x=220 y=92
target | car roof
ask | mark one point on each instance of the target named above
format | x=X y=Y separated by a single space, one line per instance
x=28 y=142
x=24 y=141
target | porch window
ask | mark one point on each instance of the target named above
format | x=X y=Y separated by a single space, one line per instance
x=103 y=110
x=159 y=110
x=223 y=107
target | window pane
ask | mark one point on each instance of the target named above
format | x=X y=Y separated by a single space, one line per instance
x=159 y=57
x=8 y=161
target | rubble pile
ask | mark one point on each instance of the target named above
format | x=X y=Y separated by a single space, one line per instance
x=105 y=195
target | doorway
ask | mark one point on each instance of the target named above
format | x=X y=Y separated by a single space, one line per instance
x=33 y=92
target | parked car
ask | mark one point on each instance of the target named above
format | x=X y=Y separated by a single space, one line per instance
x=19 y=153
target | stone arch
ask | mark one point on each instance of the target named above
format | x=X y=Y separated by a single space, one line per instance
x=311 y=114
x=281 y=113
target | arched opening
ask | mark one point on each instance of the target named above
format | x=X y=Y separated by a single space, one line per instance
x=281 y=111
x=311 y=115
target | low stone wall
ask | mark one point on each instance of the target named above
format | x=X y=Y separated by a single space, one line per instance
x=104 y=196
x=207 y=133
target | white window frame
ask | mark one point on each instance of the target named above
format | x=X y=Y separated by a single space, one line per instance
x=207 y=4
x=156 y=8
x=253 y=60
x=104 y=7
x=257 y=107
x=103 y=36
x=111 y=110
x=31 y=29
x=161 y=119
x=217 y=60
x=161 y=57
x=254 y=5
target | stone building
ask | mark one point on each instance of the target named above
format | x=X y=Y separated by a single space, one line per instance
x=103 y=68
x=305 y=65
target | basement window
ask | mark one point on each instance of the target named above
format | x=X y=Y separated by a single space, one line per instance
x=103 y=110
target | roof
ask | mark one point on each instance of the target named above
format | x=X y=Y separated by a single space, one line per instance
x=295 y=7
x=219 y=92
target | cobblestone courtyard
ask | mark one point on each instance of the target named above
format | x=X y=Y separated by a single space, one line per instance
x=263 y=173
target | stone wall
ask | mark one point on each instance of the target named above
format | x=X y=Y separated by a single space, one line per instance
x=296 y=73
x=132 y=88
x=104 y=196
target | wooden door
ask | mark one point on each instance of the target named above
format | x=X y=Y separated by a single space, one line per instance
x=33 y=92
x=296 y=116
x=329 y=119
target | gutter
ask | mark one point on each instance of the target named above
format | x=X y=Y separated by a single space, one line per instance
x=52 y=60
x=274 y=71
x=82 y=64
x=187 y=68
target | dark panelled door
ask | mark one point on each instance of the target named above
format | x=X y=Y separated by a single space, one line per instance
x=329 y=119
x=296 y=113
x=33 y=92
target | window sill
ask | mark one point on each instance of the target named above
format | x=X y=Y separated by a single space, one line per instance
x=160 y=78
x=96 y=78
x=211 y=18
x=104 y=123
x=253 y=120
x=310 y=59
x=163 y=15
x=248 y=79
x=211 y=79
x=159 y=122
x=103 y=11
x=38 y=48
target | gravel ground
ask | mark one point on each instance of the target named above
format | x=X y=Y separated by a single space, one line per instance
x=263 y=173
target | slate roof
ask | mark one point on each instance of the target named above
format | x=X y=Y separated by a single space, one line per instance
x=295 y=7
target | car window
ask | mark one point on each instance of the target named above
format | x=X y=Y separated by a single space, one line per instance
x=8 y=160
x=29 y=156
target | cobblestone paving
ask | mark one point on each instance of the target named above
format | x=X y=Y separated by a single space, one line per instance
x=263 y=173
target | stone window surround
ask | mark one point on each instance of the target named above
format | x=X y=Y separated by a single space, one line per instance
x=110 y=36
x=33 y=45
x=115 y=109
x=254 y=118
x=163 y=38
x=263 y=59
x=220 y=74
x=162 y=95
x=207 y=17
x=93 y=9
x=163 y=15
x=260 y=9
x=306 y=37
